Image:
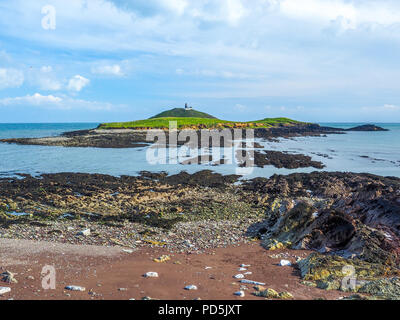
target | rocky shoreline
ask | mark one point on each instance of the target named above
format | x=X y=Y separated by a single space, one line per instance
x=346 y=219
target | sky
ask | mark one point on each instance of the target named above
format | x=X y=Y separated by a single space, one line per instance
x=120 y=60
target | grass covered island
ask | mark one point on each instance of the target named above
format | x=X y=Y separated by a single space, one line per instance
x=192 y=119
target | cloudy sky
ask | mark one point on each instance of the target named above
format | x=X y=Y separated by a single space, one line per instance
x=116 y=60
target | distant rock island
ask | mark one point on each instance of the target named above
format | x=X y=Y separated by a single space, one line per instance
x=367 y=127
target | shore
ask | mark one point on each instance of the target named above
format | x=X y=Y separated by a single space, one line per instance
x=110 y=273
x=346 y=220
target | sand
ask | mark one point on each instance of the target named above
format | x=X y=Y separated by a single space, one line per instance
x=111 y=273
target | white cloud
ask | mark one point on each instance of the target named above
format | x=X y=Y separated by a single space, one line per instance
x=77 y=83
x=108 y=70
x=55 y=102
x=44 y=78
x=11 y=78
x=35 y=99
x=386 y=108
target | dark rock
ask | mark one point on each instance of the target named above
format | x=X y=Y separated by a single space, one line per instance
x=367 y=127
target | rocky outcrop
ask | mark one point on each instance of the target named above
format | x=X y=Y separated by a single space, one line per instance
x=367 y=127
x=350 y=215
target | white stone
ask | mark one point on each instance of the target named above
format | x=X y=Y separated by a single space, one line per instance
x=151 y=275
x=248 y=273
x=75 y=288
x=252 y=282
x=239 y=276
x=239 y=294
x=4 y=290
x=191 y=287
x=85 y=233
x=242 y=269
x=285 y=263
x=244 y=265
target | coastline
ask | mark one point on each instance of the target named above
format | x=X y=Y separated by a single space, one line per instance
x=346 y=219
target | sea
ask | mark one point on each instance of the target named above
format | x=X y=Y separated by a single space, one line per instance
x=362 y=152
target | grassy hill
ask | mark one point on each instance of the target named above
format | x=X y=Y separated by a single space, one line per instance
x=182 y=113
x=197 y=123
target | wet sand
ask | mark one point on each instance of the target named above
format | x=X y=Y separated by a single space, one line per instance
x=104 y=271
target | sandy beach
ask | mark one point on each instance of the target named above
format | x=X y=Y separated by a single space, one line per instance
x=113 y=274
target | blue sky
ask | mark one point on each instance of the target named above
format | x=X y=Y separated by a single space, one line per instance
x=117 y=60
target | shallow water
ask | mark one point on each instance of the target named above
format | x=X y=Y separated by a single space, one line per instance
x=372 y=152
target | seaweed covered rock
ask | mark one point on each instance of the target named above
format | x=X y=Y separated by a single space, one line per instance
x=350 y=215
x=388 y=289
x=331 y=271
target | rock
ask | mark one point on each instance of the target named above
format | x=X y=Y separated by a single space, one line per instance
x=122 y=289
x=329 y=268
x=239 y=294
x=4 y=290
x=367 y=127
x=148 y=298
x=252 y=282
x=239 y=276
x=8 y=277
x=269 y=293
x=285 y=295
x=245 y=265
x=84 y=233
x=388 y=289
x=329 y=284
x=163 y=258
x=242 y=269
x=151 y=275
x=259 y=288
x=285 y=263
x=75 y=288
x=309 y=283
x=191 y=287
x=127 y=251
x=357 y=214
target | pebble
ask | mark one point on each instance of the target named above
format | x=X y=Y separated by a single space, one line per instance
x=252 y=282
x=284 y=263
x=75 y=288
x=245 y=265
x=85 y=233
x=239 y=294
x=191 y=287
x=239 y=276
x=151 y=275
x=4 y=290
x=242 y=269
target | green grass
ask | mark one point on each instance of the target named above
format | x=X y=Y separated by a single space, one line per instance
x=182 y=113
x=163 y=123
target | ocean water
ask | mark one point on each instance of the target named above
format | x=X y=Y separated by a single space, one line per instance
x=371 y=152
